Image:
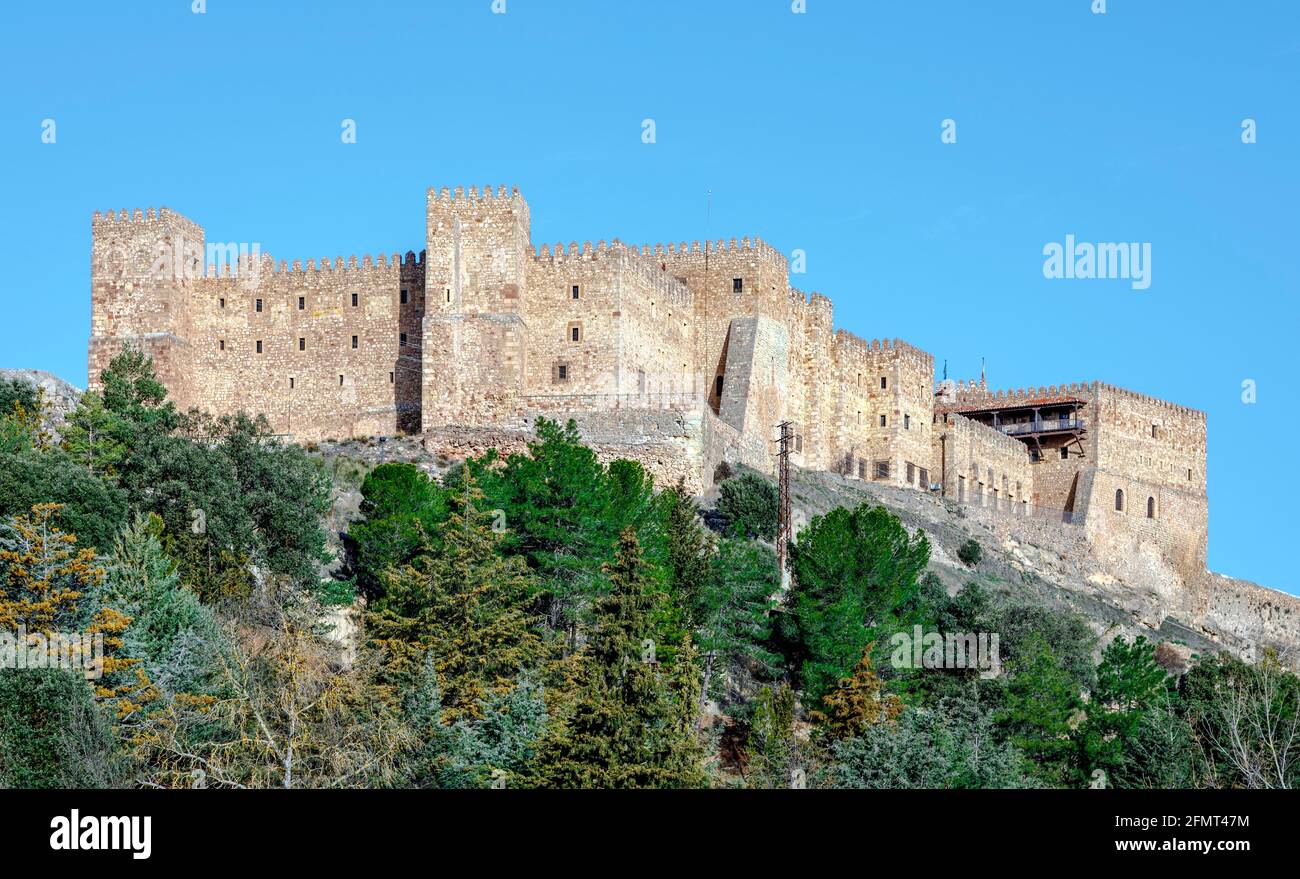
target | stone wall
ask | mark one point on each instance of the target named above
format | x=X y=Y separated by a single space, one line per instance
x=979 y=465
x=682 y=355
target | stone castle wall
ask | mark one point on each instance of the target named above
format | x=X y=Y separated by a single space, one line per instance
x=979 y=465
x=684 y=355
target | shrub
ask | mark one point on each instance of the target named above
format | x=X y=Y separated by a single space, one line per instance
x=749 y=507
x=970 y=553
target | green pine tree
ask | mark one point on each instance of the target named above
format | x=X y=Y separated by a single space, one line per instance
x=464 y=605
x=632 y=722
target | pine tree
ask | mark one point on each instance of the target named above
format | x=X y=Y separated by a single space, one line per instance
x=45 y=582
x=858 y=703
x=689 y=551
x=463 y=604
x=95 y=437
x=632 y=724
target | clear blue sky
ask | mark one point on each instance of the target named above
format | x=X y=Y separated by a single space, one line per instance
x=817 y=131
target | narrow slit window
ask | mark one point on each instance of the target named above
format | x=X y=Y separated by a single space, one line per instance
x=302 y=344
x=354 y=300
x=302 y=302
x=259 y=346
x=258 y=305
x=354 y=341
x=405 y=297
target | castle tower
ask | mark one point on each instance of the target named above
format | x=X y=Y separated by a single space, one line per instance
x=144 y=265
x=475 y=324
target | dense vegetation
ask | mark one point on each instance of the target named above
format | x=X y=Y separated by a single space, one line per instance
x=540 y=620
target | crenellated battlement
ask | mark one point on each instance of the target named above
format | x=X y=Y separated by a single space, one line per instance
x=854 y=345
x=458 y=194
x=1173 y=408
x=137 y=215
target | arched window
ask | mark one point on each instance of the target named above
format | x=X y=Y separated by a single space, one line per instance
x=1151 y=508
x=1119 y=499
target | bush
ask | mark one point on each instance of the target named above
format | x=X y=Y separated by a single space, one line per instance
x=52 y=735
x=970 y=553
x=16 y=392
x=93 y=509
x=749 y=507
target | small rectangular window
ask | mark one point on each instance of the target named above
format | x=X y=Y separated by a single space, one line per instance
x=354 y=300
x=340 y=381
x=302 y=302
x=259 y=346
x=884 y=421
x=221 y=303
x=354 y=341
x=882 y=469
x=562 y=372
x=737 y=285
x=1065 y=453
x=925 y=478
x=402 y=339
x=448 y=294
x=259 y=305
x=1154 y=431
x=404 y=297
x=575 y=333
x=390 y=378
x=884 y=383
x=907 y=422
x=302 y=344
x=862 y=469
x=222 y=345
x=576 y=292
x=291 y=383
x=911 y=473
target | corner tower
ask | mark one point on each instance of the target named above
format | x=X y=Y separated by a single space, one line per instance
x=144 y=265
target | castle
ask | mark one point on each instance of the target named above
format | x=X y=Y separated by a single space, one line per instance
x=681 y=356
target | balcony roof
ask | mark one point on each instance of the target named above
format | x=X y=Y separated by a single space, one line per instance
x=975 y=407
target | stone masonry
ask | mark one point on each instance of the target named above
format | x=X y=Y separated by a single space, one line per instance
x=681 y=355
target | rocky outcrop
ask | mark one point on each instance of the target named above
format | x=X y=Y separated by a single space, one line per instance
x=60 y=397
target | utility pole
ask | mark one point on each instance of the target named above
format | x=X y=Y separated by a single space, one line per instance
x=783 y=525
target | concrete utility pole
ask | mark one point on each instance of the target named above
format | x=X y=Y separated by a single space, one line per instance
x=783 y=524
